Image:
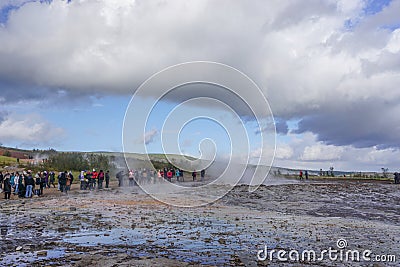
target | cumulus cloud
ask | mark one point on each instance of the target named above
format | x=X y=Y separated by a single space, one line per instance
x=29 y=129
x=332 y=64
x=283 y=151
x=321 y=152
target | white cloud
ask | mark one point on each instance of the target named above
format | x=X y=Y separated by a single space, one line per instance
x=304 y=57
x=29 y=129
x=283 y=151
x=321 y=152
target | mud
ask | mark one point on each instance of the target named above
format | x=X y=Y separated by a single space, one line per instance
x=128 y=228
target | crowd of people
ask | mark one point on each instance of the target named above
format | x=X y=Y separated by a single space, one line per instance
x=90 y=179
x=147 y=176
x=26 y=184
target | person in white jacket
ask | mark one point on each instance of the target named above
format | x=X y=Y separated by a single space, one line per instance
x=16 y=183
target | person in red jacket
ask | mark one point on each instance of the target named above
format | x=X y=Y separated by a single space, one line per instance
x=169 y=175
x=94 y=177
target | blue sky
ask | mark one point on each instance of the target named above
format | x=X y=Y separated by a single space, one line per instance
x=67 y=80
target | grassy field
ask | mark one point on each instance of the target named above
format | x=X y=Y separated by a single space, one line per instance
x=5 y=161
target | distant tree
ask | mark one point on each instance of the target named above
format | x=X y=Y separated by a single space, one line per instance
x=7 y=153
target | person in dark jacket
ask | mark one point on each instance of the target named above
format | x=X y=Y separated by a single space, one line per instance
x=7 y=186
x=396 y=177
x=29 y=185
x=1 y=180
x=119 y=177
x=107 y=178
x=63 y=181
x=52 y=178
x=37 y=182
x=43 y=182
x=21 y=186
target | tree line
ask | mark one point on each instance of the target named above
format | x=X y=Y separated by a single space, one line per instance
x=75 y=161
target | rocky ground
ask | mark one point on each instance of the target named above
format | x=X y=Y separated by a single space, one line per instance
x=125 y=227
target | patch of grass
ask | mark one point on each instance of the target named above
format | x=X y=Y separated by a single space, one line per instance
x=5 y=161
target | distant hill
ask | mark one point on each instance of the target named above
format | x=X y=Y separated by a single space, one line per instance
x=10 y=155
x=15 y=153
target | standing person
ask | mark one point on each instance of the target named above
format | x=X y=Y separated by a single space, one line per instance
x=119 y=178
x=1 y=180
x=68 y=182
x=301 y=175
x=159 y=176
x=46 y=179
x=169 y=175
x=82 y=179
x=21 y=187
x=107 y=178
x=144 y=176
x=7 y=186
x=62 y=181
x=16 y=183
x=101 y=179
x=396 y=177
x=194 y=174
x=42 y=182
x=52 y=179
x=177 y=174
x=181 y=175
x=71 y=177
x=12 y=180
x=131 y=177
x=37 y=182
x=29 y=184
x=89 y=180
x=202 y=174
x=58 y=181
x=165 y=173
x=306 y=173
x=94 y=178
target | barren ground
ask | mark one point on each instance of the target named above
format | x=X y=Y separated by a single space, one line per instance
x=125 y=227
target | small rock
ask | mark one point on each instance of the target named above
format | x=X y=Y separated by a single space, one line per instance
x=75 y=258
x=18 y=248
x=222 y=241
x=72 y=208
x=42 y=253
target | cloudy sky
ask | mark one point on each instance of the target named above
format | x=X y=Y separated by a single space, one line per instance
x=329 y=69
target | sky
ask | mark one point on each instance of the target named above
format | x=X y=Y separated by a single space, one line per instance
x=330 y=71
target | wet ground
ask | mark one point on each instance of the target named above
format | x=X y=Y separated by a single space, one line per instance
x=128 y=228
